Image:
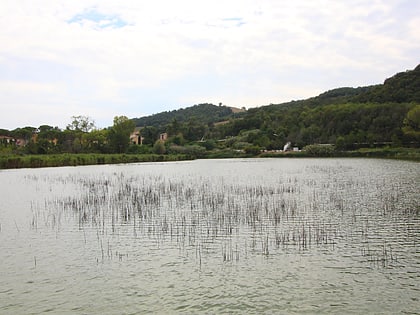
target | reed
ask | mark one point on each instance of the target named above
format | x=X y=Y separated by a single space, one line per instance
x=210 y=216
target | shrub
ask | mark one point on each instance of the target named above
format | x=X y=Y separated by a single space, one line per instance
x=319 y=150
x=253 y=150
x=159 y=147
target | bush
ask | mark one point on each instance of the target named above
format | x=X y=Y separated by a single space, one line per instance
x=319 y=150
x=209 y=144
x=253 y=150
x=340 y=143
x=139 y=149
x=195 y=151
x=159 y=147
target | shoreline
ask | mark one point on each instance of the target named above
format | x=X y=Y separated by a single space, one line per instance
x=80 y=159
x=407 y=154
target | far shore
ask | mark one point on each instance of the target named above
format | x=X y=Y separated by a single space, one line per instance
x=13 y=161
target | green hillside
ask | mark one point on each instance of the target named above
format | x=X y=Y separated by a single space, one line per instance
x=205 y=113
x=348 y=117
x=402 y=87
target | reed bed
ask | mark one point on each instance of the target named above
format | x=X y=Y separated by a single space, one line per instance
x=211 y=216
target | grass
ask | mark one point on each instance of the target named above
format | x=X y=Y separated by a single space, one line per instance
x=67 y=159
x=409 y=154
x=8 y=161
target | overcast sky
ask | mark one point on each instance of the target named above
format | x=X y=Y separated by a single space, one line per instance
x=106 y=58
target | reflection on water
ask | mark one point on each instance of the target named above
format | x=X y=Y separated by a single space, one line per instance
x=212 y=236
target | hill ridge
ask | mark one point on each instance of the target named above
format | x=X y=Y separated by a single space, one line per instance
x=403 y=87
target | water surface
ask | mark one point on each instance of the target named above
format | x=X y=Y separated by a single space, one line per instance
x=212 y=236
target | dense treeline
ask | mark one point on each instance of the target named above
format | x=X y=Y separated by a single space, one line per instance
x=80 y=136
x=348 y=125
x=205 y=113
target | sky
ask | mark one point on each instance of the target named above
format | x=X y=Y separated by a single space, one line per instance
x=107 y=58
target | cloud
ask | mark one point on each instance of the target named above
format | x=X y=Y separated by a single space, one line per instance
x=137 y=57
x=95 y=19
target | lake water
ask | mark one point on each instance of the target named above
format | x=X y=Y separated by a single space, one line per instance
x=284 y=236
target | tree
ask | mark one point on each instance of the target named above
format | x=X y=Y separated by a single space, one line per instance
x=159 y=147
x=194 y=130
x=52 y=134
x=81 y=123
x=75 y=131
x=412 y=123
x=177 y=139
x=174 y=127
x=340 y=143
x=24 y=133
x=150 y=134
x=119 y=134
x=95 y=141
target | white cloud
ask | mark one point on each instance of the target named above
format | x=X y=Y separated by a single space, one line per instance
x=114 y=55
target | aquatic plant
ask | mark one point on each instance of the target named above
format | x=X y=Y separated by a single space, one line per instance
x=210 y=215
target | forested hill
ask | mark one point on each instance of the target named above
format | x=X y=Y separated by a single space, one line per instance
x=403 y=87
x=348 y=117
x=379 y=114
x=204 y=113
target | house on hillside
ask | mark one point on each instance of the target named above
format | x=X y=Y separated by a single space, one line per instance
x=163 y=136
x=135 y=137
x=7 y=140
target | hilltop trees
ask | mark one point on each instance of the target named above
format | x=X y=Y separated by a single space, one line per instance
x=74 y=133
x=81 y=124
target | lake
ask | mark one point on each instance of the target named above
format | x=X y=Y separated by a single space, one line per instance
x=284 y=236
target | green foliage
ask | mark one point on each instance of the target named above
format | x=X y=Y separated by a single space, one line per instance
x=340 y=143
x=96 y=141
x=54 y=160
x=23 y=133
x=356 y=124
x=253 y=150
x=205 y=113
x=208 y=144
x=412 y=123
x=159 y=147
x=150 y=134
x=239 y=145
x=119 y=134
x=178 y=139
x=402 y=87
x=194 y=130
x=139 y=149
x=194 y=151
x=319 y=150
x=81 y=123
